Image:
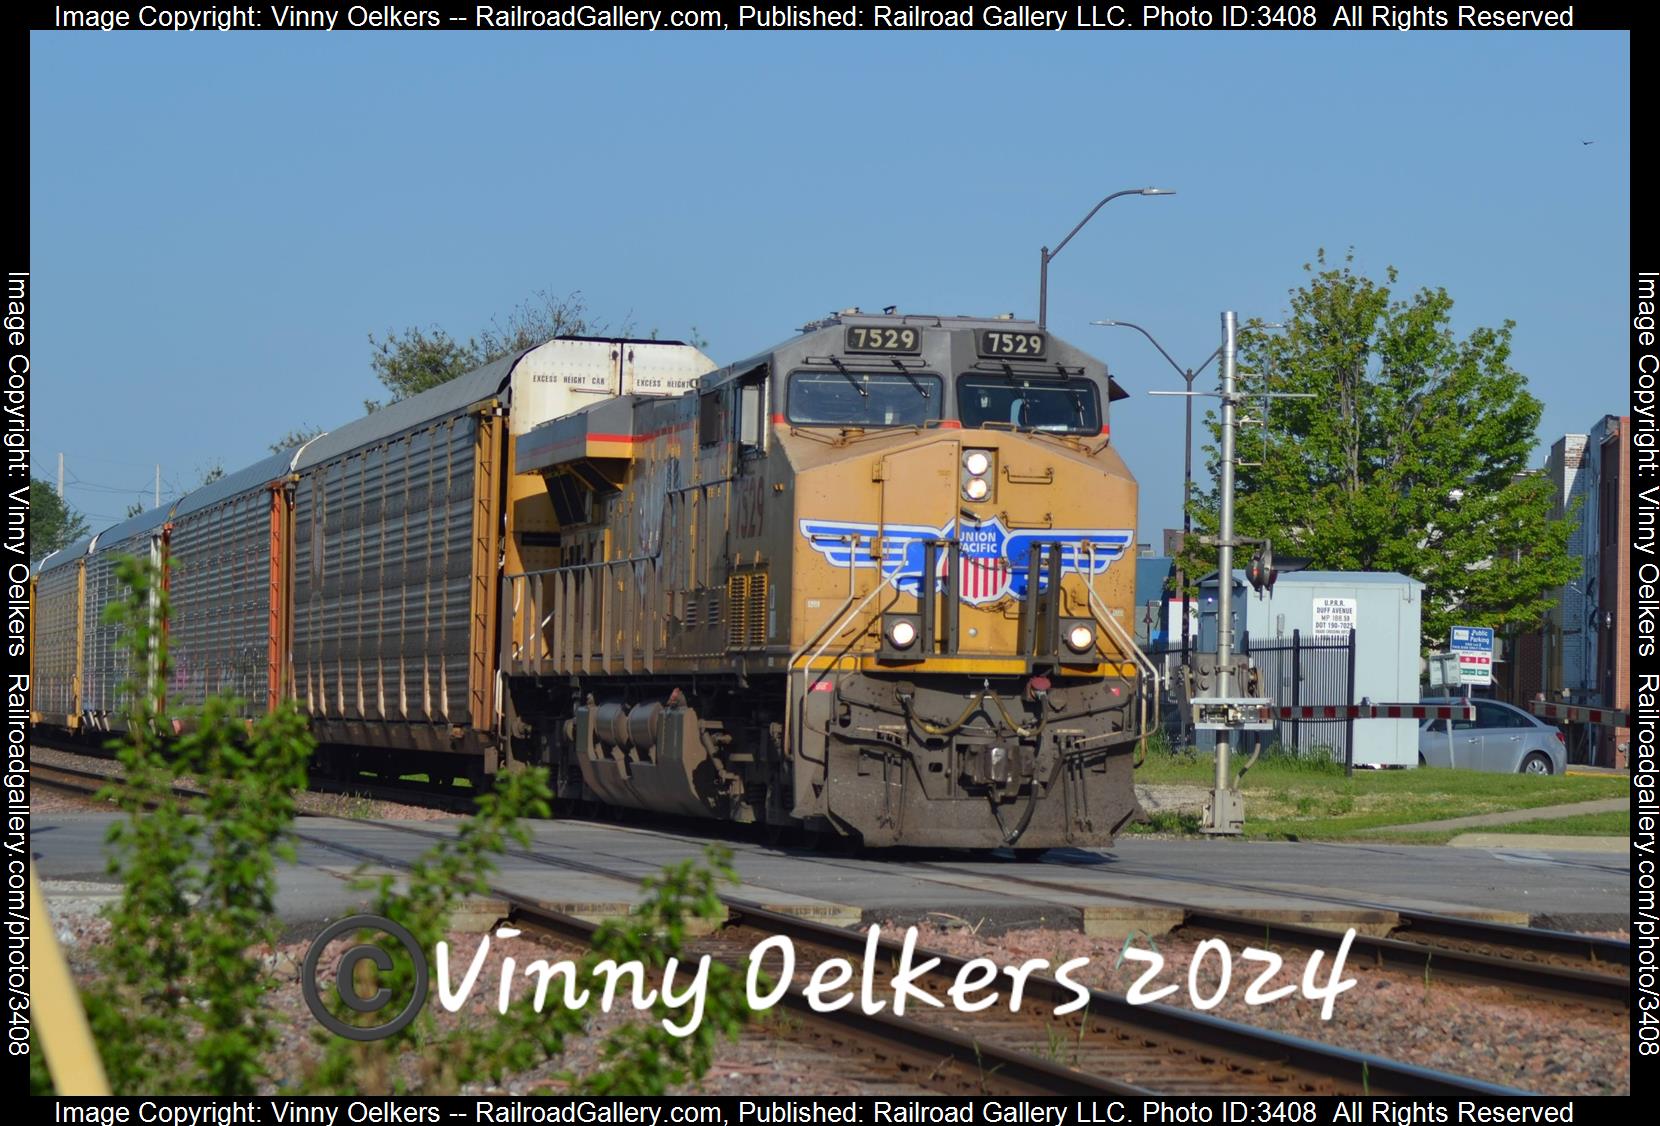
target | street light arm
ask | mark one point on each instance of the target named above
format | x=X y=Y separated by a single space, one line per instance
x=1126 y=324
x=1128 y=191
x=1045 y=255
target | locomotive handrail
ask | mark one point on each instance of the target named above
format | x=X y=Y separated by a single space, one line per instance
x=848 y=617
x=851 y=615
x=1124 y=640
x=789 y=670
x=588 y=566
x=521 y=635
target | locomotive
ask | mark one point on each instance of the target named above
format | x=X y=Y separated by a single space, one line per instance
x=871 y=582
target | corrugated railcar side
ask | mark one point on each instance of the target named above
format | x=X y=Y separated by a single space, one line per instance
x=55 y=677
x=396 y=526
x=227 y=550
x=106 y=664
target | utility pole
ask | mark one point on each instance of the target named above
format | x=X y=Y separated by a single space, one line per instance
x=158 y=486
x=60 y=474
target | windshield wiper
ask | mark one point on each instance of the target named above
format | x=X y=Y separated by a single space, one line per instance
x=1020 y=392
x=847 y=375
x=921 y=390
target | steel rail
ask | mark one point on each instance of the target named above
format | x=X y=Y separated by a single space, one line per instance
x=926 y=1054
x=1248 y=1054
x=1517 y=973
x=1593 y=950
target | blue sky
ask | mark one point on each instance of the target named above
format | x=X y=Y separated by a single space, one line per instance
x=217 y=221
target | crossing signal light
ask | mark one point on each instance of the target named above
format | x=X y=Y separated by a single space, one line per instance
x=1261 y=574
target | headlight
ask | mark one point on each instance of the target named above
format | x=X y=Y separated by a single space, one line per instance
x=977 y=462
x=976 y=488
x=1080 y=638
x=902 y=634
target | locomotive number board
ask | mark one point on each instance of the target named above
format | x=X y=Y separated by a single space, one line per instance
x=882 y=338
x=1002 y=343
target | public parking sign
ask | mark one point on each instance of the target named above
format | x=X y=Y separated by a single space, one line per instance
x=1474 y=647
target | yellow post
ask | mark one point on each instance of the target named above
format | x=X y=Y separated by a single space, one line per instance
x=71 y=1056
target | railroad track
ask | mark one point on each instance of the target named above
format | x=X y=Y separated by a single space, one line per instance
x=409 y=793
x=1556 y=966
x=1110 y=1047
x=79 y=781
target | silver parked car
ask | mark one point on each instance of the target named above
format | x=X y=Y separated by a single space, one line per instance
x=1501 y=738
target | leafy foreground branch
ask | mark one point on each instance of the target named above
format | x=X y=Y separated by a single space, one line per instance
x=179 y=1007
x=639 y=1057
x=181 y=1001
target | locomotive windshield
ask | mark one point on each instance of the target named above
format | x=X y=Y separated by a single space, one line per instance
x=1069 y=406
x=860 y=400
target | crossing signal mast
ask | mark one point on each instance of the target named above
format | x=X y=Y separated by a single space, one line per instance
x=1223 y=713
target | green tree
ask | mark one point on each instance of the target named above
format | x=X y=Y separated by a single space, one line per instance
x=53 y=524
x=1410 y=457
x=297 y=437
x=418 y=359
x=538 y=318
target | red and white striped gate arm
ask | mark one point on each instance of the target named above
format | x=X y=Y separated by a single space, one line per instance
x=1574 y=713
x=1317 y=712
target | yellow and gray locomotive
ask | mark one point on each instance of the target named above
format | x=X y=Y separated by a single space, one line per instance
x=872 y=581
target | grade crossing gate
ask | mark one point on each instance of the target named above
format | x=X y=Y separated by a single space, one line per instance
x=1577 y=713
x=1342 y=712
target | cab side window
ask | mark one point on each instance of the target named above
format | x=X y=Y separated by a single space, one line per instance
x=752 y=414
x=708 y=419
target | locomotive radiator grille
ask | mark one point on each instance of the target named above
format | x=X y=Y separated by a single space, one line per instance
x=746 y=610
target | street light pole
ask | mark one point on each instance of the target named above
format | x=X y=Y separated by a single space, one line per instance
x=1045 y=255
x=1188 y=375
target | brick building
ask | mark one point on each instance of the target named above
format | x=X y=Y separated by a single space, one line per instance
x=1609 y=450
x=1582 y=652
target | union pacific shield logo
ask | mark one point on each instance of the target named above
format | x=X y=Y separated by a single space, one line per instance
x=994 y=560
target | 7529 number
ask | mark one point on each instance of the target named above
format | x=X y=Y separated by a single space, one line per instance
x=875 y=338
x=995 y=342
